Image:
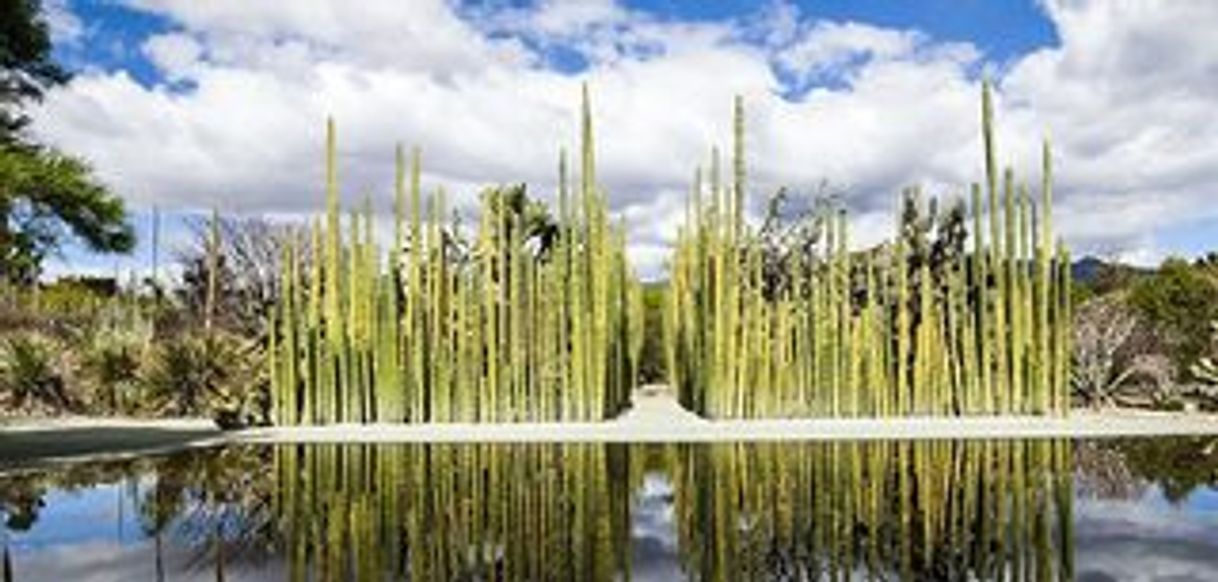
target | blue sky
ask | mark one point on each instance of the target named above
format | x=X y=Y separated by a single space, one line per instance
x=1003 y=29
x=185 y=105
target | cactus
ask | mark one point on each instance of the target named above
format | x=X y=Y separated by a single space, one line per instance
x=423 y=333
x=981 y=333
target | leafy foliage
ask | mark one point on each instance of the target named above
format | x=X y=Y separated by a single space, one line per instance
x=652 y=367
x=1180 y=300
x=45 y=196
x=1179 y=464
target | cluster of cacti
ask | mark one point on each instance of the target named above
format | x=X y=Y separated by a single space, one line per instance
x=452 y=512
x=907 y=510
x=520 y=324
x=879 y=332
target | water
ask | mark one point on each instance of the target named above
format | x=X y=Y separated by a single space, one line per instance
x=1135 y=509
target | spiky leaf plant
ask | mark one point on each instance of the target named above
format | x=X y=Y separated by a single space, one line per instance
x=30 y=377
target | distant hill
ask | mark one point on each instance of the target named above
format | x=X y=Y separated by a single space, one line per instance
x=1087 y=269
x=1101 y=275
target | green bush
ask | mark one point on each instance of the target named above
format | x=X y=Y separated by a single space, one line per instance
x=652 y=367
x=1180 y=300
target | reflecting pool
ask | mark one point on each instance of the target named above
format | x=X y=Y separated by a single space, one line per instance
x=1119 y=509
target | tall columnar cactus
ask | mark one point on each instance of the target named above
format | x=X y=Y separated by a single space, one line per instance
x=877 y=332
x=432 y=331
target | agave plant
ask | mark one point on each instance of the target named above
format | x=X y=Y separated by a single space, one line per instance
x=29 y=373
x=111 y=356
x=212 y=374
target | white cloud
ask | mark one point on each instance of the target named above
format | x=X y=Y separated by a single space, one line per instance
x=64 y=25
x=1128 y=96
x=175 y=54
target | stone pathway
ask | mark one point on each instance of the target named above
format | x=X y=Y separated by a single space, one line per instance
x=656 y=404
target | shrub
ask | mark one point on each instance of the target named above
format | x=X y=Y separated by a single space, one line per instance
x=1179 y=300
x=1205 y=369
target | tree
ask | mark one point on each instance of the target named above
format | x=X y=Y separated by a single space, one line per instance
x=248 y=270
x=44 y=194
x=1180 y=300
x=1104 y=327
x=26 y=67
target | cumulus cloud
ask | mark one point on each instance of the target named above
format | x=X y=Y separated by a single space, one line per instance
x=491 y=94
x=1126 y=96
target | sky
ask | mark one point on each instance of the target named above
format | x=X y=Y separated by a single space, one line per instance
x=187 y=105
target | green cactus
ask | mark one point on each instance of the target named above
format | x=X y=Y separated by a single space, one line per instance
x=425 y=333
x=984 y=332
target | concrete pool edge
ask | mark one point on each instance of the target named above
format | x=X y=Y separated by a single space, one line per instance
x=640 y=425
x=1079 y=425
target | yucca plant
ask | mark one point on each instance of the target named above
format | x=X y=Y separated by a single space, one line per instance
x=530 y=317
x=916 y=326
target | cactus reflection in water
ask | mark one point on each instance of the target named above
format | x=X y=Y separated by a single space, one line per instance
x=887 y=331
x=454 y=512
x=532 y=319
x=943 y=510
x=934 y=510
